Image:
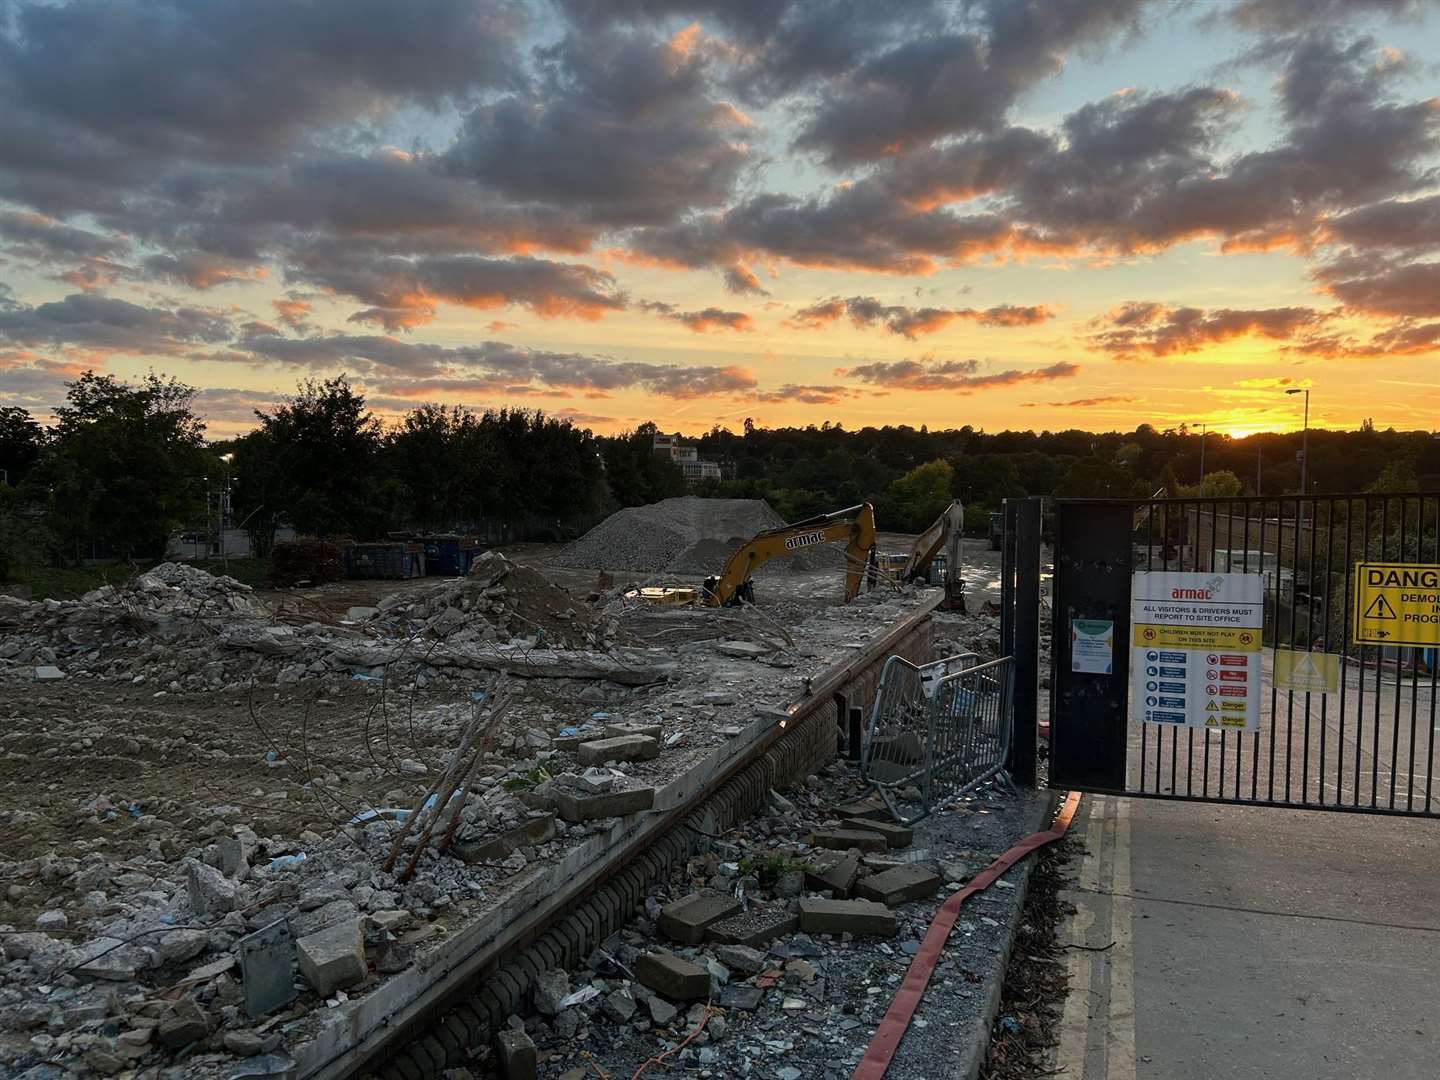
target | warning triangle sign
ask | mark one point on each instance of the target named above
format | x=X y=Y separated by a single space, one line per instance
x=1212 y=707
x=1305 y=668
x=1212 y=721
x=1380 y=609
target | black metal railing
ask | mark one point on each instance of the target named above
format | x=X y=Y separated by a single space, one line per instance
x=1366 y=744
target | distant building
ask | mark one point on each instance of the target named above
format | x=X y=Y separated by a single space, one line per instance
x=687 y=456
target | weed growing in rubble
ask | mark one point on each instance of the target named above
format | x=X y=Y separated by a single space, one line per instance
x=768 y=869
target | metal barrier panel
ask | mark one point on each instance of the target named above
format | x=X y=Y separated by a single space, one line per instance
x=938 y=728
x=1348 y=657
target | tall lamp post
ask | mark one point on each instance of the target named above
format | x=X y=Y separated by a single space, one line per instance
x=1304 y=447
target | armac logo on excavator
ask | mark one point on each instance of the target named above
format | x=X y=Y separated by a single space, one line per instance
x=805 y=541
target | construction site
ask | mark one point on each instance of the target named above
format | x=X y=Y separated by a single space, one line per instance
x=587 y=810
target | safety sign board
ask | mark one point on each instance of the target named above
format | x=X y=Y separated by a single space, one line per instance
x=1301 y=671
x=1092 y=646
x=1196 y=641
x=1397 y=604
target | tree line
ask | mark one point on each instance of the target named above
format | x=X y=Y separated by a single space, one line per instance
x=123 y=467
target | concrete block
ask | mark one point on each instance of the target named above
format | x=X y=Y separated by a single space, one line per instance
x=742 y=958
x=551 y=988
x=516 y=1054
x=633 y=727
x=840 y=916
x=575 y=806
x=895 y=835
x=754 y=928
x=333 y=958
x=835 y=873
x=845 y=839
x=211 y=892
x=686 y=920
x=620 y=748
x=673 y=976
x=872 y=808
x=898 y=885
x=182 y=1024
x=536 y=830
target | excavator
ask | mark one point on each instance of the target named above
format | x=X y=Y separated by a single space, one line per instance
x=944 y=534
x=855 y=526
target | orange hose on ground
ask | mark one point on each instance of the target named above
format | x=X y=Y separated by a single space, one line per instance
x=881 y=1050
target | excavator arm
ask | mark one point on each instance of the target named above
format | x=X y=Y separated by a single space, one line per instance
x=855 y=527
x=946 y=534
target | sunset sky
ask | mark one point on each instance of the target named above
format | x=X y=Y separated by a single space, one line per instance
x=1003 y=213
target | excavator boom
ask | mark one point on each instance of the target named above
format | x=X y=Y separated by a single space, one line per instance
x=854 y=526
x=945 y=534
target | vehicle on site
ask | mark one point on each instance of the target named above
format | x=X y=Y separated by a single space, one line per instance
x=853 y=526
x=935 y=556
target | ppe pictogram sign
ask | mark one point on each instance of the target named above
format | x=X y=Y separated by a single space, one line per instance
x=1397 y=604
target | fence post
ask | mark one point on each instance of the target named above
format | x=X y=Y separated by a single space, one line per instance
x=1025 y=624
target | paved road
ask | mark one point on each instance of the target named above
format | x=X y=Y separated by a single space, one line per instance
x=1251 y=943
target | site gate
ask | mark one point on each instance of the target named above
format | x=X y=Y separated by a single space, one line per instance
x=1261 y=651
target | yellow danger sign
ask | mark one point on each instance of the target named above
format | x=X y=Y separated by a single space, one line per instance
x=1397 y=604
x=1301 y=671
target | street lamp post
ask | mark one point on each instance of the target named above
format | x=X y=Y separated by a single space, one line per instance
x=1304 y=447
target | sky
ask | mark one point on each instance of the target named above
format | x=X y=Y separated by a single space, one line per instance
x=1023 y=214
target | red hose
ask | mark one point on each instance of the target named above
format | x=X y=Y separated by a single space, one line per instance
x=881 y=1050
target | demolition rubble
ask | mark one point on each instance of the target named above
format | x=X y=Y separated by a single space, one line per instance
x=227 y=818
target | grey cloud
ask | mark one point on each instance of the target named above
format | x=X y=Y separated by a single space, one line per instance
x=809 y=394
x=230 y=81
x=704 y=321
x=1378 y=287
x=1287 y=15
x=911 y=322
x=958 y=376
x=1393 y=224
x=42 y=239
x=491 y=366
x=624 y=126
x=405 y=293
x=1142 y=328
x=103 y=323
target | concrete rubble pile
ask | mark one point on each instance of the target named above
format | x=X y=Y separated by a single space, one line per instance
x=179 y=629
x=783 y=943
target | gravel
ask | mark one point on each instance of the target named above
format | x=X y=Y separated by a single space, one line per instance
x=686 y=535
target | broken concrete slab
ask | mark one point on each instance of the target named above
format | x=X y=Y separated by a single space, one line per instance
x=620 y=748
x=577 y=806
x=835 y=873
x=48 y=673
x=535 y=830
x=753 y=928
x=333 y=958
x=686 y=920
x=551 y=988
x=857 y=917
x=741 y=958
x=872 y=808
x=211 y=892
x=182 y=1024
x=897 y=836
x=900 y=884
x=743 y=650
x=633 y=727
x=845 y=839
x=517 y=1056
x=673 y=976
x=745 y=998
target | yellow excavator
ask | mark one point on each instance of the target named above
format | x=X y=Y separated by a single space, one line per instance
x=855 y=527
x=944 y=534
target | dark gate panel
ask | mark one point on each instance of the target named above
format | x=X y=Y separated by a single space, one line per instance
x=1367 y=745
x=1088 y=735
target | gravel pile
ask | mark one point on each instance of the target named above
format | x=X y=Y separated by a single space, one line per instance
x=686 y=535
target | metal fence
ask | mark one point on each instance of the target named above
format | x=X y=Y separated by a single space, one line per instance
x=937 y=730
x=1363 y=738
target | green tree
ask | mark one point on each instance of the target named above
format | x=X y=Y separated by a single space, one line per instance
x=636 y=474
x=915 y=500
x=1217 y=485
x=21 y=440
x=317 y=463
x=124 y=465
x=1397 y=475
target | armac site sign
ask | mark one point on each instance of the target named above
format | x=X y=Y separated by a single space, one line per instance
x=1397 y=604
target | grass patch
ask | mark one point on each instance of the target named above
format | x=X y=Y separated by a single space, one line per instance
x=769 y=869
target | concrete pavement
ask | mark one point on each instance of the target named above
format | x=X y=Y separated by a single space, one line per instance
x=1249 y=943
